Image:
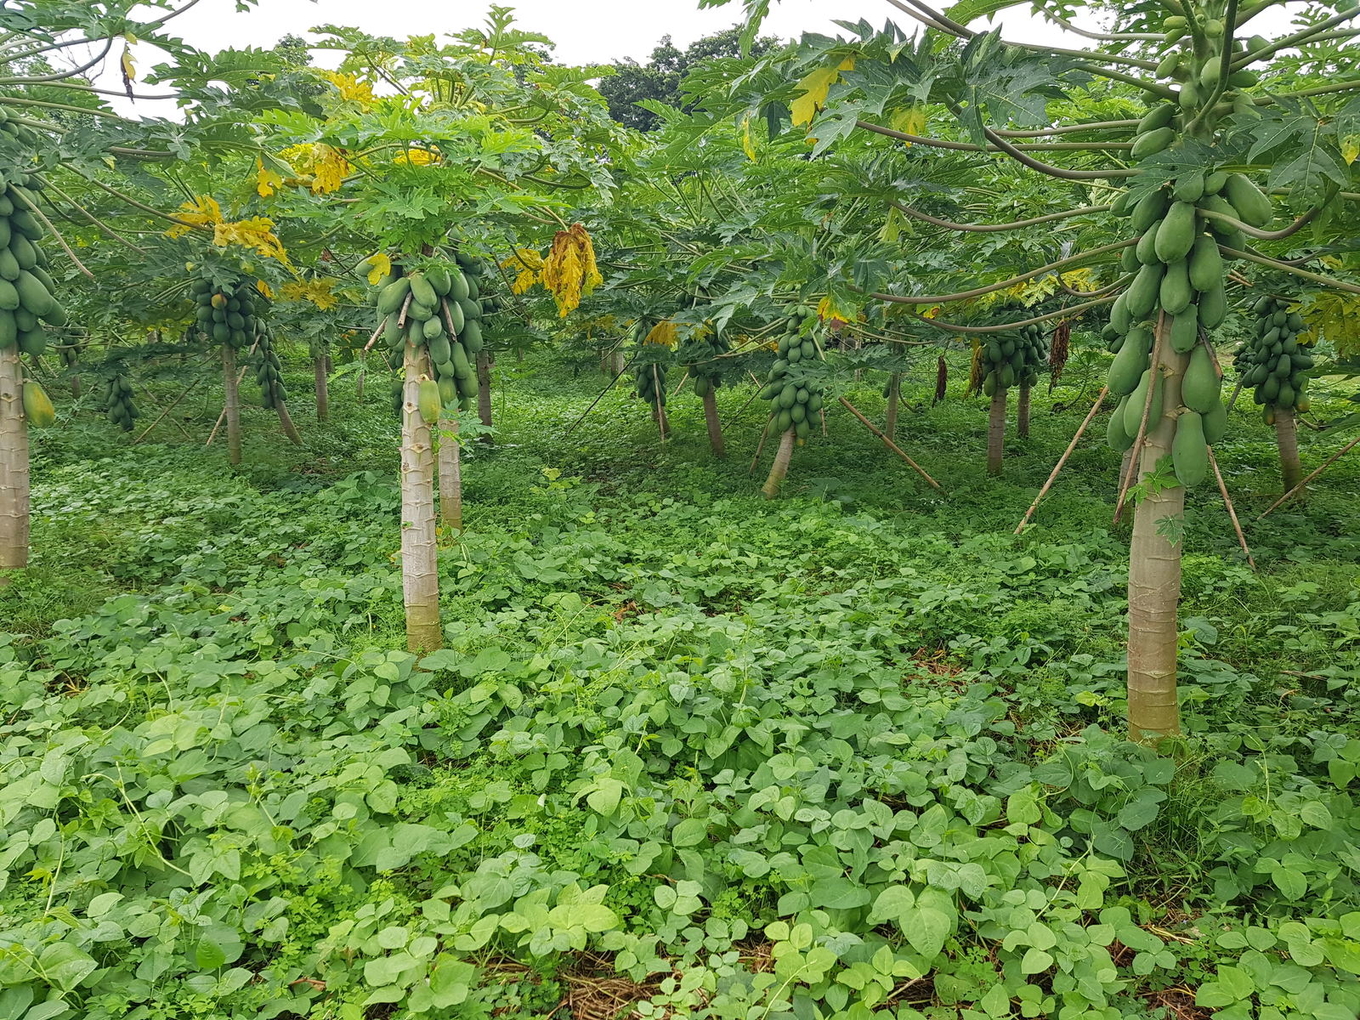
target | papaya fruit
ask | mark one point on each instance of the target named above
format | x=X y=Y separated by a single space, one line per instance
x=1213 y=182
x=428 y=401
x=448 y=391
x=1128 y=259
x=1133 y=413
x=24 y=252
x=38 y=407
x=1206 y=264
x=1185 y=329
x=1200 y=386
x=32 y=342
x=1150 y=209
x=1120 y=319
x=1143 y=291
x=438 y=278
x=1175 y=293
x=454 y=311
x=1127 y=368
x=9 y=296
x=1189 y=186
x=1213 y=306
x=471 y=310
x=1159 y=116
x=1252 y=206
x=391 y=297
x=458 y=286
x=1115 y=436
x=1176 y=235
x=1215 y=423
x=433 y=328
x=422 y=292
x=9 y=265
x=9 y=331
x=1145 y=252
x=438 y=345
x=472 y=337
x=462 y=366
x=1189 y=452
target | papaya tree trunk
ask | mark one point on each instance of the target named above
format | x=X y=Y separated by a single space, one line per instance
x=996 y=432
x=484 y=392
x=231 y=404
x=321 y=381
x=894 y=398
x=419 y=554
x=1287 y=438
x=715 y=436
x=450 y=476
x=780 y=468
x=1155 y=571
x=14 y=498
x=286 y=423
x=1022 y=412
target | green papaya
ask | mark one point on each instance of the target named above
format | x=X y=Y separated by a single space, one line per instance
x=391 y=297
x=428 y=401
x=1143 y=291
x=38 y=407
x=1213 y=182
x=421 y=291
x=1133 y=413
x=462 y=366
x=9 y=296
x=392 y=332
x=1200 y=386
x=1159 y=116
x=1189 y=186
x=1189 y=452
x=448 y=391
x=438 y=278
x=1215 y=423
x=1206 y=265
x=458 y=286
x=433 y=328
x=1127 y=368
x=9 y=331
x=471 y=310
x=472 y=337
x=9 y=265
x=56 y=315
x=1120 y=319
x=454 y=311
x=33 y=295
x=24 y=252
x=1176 y=235
x=1175 y=293
x=1252 y=206
x=1150 y=208
x=1129 y=260
x=1115 y=436
x=1185 y=329
x=1145 y=252
x=439 y=346
x=1213 y=306
x=1152 y=142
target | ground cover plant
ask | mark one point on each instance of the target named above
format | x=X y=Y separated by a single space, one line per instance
x=392 y=623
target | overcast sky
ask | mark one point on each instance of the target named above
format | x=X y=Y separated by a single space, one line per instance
x=584 y=31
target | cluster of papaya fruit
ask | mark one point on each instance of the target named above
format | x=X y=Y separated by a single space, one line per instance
x=118 y=403
x=698 y=355
x=438 y=309
x=649 y=381
x=27 y=293
x=1199 y=68
x=1015 y=360
x=793 y=401
x=230 y=314
x=1274 y=361
x=269 y=371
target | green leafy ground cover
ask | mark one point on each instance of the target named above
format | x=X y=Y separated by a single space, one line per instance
x=852 y=754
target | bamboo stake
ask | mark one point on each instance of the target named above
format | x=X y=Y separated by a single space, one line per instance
x=889 y=443
x=750 y=400
x=1334 y=458
x=239 y=378
x=587 y=411
x=760 y=447
x=1232 y=512
x=659 y=393
x=172 y=406
x=1100 y=400
x=1154 y=381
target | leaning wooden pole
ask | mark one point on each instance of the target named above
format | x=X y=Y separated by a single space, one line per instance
x=889 y=443
x=1053 y=477
x=1330 y=461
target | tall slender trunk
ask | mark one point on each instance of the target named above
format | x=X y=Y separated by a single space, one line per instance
x=715 y=436
x=1022 y=412
x=616 y=363
x=419 y=553
x=1155 y=571
x=1287 y=438
x=362 y=378
x=286 y=423
x=780 y=468
x=996 y=432
x=321 y=379
x=231 y=404
x=484 y=391
x=894 y=398
x=14 y=499
x=450 y=475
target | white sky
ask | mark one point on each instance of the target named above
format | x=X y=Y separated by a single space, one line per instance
x=584 y=31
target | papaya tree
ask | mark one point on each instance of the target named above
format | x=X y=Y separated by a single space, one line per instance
x=418 y=183
x=1177 y=166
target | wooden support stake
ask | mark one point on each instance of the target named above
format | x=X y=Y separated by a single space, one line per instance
x=150 y=428
x=760 y=447
x=587 y=411
x=1232 y=512
x=889 y=443
x=1303 y=484
x=1100 y=399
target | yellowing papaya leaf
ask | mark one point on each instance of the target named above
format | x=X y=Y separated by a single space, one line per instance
x=748 y=144
x=267 y=181
x=201 y=211
x=1350 y=148
x=815 y=86
x=351 y=89
x=911 y=120
x=317 y=291
x=379 y=266
x=128 y=65
x=264 y=289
